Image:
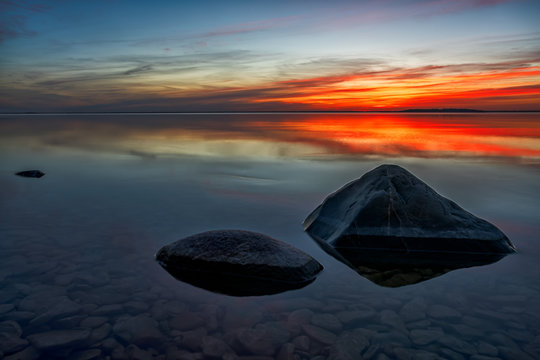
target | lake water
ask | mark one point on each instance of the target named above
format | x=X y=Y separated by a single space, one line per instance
x=79 y=279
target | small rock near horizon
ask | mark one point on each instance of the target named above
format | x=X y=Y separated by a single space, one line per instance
x=31 y=173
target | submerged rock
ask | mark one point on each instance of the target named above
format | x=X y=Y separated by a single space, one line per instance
x=240 y=263
x=141 y=330
x=31 y=173
x=59 y=338
x=395 y=230
x=10 y=337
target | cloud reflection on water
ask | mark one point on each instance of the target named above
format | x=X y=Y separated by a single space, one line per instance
x=513 y=137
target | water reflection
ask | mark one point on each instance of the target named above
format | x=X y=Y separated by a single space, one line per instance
x=399 y=268
x=513 y=137
x=234 y=285
x=112 y=196
x=419 y=135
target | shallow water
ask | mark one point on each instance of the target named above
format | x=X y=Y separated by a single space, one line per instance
x=79 y=279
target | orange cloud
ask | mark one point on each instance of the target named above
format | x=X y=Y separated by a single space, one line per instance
x=438 y=86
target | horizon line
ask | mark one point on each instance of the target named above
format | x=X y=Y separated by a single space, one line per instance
x=443 y=110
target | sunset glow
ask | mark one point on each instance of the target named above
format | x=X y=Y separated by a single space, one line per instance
x=393 y=143
x=407 y=89
x=228 y=56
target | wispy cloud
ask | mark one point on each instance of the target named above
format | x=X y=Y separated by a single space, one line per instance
x=13 y=18
x=89 y=70
x=248 y=27
x=373 y=12
x=231 y=80
x=440 y=7
x=243 y=28
x=138 y=69
x=14 y=26
x=24 y=5
x=402 y=87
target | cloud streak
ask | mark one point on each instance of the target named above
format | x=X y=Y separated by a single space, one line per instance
x=371 y=87
x=408 y=87
x=371 y=12
x=13 y=18
x=237 y=29
x=14 y=26
x=138 y=69
x=24 y=5
x=232 y=72
x=249 y=27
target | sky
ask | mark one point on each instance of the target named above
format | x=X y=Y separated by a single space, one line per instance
x=102 y=56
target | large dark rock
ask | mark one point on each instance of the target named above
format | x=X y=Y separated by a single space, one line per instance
x=394 y=229
x=390 y=208
x=30 y=173
x=240 y=263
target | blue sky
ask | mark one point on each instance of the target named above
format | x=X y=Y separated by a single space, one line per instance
x=245 y=55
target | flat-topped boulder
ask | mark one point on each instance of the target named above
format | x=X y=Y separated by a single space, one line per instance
x=391 y=209
x=237 y=262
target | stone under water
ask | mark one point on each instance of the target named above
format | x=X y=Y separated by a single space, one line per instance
x=390 y=222
x=240 y=263
x=30 y=173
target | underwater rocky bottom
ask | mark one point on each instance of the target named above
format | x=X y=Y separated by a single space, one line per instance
x=56 y=302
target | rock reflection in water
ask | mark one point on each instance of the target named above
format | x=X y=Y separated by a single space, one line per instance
x=401 y=268
x=235 y=285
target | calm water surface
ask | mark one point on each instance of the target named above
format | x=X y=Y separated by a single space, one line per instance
x=78 y=278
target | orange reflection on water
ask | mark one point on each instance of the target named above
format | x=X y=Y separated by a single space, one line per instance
x=429 y=135
x=507 y=136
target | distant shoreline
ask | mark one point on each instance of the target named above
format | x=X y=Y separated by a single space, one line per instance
x=407 y=111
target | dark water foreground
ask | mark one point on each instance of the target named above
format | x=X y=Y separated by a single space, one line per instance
x=79 y=281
